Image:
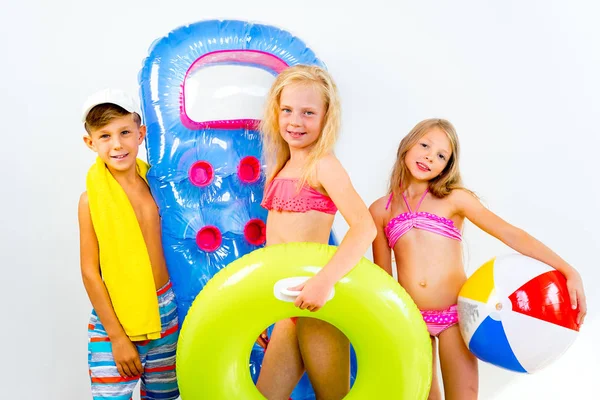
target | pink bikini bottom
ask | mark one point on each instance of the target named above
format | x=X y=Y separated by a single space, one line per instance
x=438 y=321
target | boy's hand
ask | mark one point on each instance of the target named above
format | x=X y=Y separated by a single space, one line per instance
x=126 y=357
x=577 y=295
x=314 y=293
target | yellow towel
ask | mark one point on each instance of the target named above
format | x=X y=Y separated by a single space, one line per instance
x=124 y=260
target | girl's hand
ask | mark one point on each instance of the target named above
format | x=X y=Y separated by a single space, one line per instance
x=313 y=295
x=263 y=340
x=577 y=295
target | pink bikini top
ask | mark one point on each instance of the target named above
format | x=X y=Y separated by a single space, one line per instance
x=404 y=222
x=282 y=195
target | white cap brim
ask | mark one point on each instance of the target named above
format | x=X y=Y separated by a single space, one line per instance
x=112 y=96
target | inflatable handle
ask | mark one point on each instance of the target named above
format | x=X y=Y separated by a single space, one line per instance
x=293 y=293
x=282 y=292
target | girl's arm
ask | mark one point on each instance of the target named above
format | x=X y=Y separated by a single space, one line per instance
x=335 y=180
x=471 y=208
x=125 y=353
x=382 y=254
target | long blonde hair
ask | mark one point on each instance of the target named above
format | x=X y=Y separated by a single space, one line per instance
x=276 y=151
x=448 y=180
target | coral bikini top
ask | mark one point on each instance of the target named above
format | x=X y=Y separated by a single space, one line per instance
x=282 y=195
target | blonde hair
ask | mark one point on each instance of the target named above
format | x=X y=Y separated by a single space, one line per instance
x=448 y=180
x=276 y=151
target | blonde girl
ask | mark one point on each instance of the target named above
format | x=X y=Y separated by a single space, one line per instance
x=421 y=221
x=306 y=186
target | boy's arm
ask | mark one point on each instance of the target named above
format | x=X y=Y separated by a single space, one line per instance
x=125 y=353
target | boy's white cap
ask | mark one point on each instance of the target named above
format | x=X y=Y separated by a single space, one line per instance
x=113 y=96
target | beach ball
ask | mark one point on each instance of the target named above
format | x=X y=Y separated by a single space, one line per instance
x=515 y=312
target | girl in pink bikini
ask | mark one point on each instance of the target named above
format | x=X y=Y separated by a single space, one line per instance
x=306 y=185
x=421 y=222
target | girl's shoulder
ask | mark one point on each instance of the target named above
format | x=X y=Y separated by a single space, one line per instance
x=382 y=201
x=379 y=208
x=328 y=160
x=461 y=198
x=328 y=168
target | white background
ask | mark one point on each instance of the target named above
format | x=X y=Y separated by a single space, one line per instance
x=518 y=79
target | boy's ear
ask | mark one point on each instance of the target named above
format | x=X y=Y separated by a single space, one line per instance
x=142 y=133
x=89 y=142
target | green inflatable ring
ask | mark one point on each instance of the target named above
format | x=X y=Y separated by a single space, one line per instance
x=393 y=349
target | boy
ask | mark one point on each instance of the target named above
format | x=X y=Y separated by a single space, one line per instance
x=133 y=329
